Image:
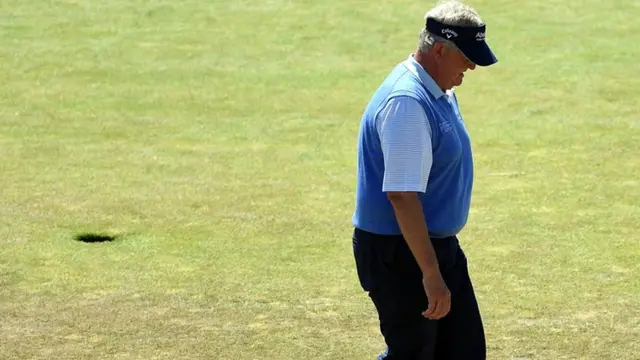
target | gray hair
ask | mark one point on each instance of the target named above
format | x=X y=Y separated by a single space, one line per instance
x=450 y=12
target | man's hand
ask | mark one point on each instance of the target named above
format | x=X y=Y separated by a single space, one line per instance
x=438 y=295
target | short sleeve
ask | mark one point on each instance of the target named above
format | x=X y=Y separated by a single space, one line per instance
x=405 y=138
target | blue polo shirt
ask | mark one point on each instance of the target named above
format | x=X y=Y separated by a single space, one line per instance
x=412 y=138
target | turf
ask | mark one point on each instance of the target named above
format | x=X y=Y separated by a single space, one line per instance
x=213 y=144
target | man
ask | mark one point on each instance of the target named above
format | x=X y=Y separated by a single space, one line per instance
x=415 y=175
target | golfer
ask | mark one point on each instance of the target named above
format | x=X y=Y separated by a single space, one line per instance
x=414 y=181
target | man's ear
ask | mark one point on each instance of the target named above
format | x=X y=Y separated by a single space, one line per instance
x=438 y=50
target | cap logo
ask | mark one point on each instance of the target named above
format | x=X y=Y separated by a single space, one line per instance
x=480 y=36
x=449 y=33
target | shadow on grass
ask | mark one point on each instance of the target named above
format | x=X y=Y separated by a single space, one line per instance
x=95 y=237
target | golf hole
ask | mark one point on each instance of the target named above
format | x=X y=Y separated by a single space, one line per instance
x=94 y=238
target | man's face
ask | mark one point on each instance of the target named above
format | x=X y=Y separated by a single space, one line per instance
x=452 y=65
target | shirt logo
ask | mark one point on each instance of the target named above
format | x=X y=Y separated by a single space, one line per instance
x=449 y=33
x=445 y=126
x=480 y=36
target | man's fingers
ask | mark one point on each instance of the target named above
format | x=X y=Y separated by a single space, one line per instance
x=430 y=310
x=446 y=307
x=433 y=309
x=438 y=308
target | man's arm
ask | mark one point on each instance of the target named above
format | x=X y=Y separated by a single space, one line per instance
x=405 y=136
x=410 y=216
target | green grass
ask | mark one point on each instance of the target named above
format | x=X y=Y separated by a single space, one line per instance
x=216 y=140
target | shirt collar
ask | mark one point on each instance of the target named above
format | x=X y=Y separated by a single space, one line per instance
x=424 y=77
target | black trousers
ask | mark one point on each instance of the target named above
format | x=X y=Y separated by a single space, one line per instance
x=389 y=273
